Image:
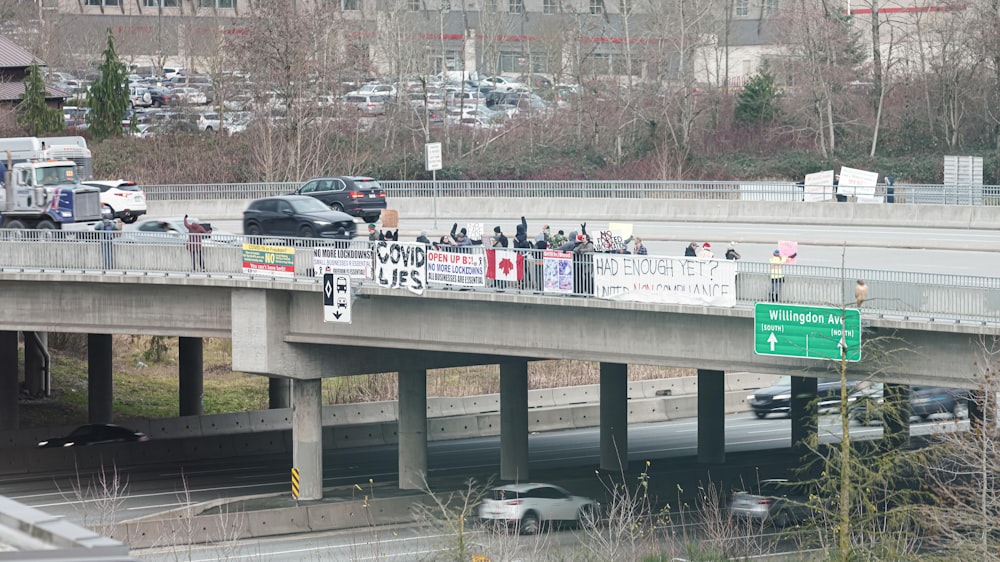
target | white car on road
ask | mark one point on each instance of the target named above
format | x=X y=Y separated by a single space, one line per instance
x=529 y=505
x=125 y=198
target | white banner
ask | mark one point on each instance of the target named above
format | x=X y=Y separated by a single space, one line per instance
x=401 y=265
x=652 y=279
x=353 y=262
x=456 y=268
x=851 y=179
x=818 y=186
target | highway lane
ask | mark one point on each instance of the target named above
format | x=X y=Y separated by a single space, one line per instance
x=156 y=488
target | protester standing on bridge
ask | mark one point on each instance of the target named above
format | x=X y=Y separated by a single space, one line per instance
x=195 y=234
x=639 y=248
x=543 y=235
x=499 y=238
x=691 y=251
x=777 y=273
x=521 y=238
x=705 y=252
x=106 y=229
x=423 y=239
x=372 y=233
x=558 y=239
x=731 y=253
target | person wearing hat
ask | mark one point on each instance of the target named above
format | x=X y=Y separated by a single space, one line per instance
x=777 y=273
x=731 y=253
x=706 y=252
x=372 y=233
x=691 y=251
x=499 y=239
x=423 y=239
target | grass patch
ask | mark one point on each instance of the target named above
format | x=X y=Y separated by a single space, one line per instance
x=146 y=390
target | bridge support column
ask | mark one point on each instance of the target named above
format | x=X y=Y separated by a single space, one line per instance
x=896 y=413
x=10 y=389
x=804 y=411
x=191 y=363
x=412 y=429
x=614 y=416
x=307 y=436
x=100 y=388
x=711 y=416
x=279 y=393
x=514 y=421
x=35 y=351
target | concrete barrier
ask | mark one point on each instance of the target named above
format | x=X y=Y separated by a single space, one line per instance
x=489 y=424
x=577 y=394
x=541 y=398
x=225 y=424
x=550 y=419
x=484 y=403
x=441 y=406
x=271 y=522
x=587 y=416
x=646 y=410
x=173 y=428
x=354 y=435
x=271 y=420
x=749 y=381
x=452 y=427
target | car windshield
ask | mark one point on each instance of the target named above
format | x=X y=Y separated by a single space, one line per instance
x=309 y=205
x=55 y=175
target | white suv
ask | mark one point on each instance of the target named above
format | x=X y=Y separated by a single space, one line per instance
x=139 y=96
x=530 y=505
x=126 y=198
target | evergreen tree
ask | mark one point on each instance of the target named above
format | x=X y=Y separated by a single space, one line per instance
x=33 y=113
x=758 y=102
x=108 y=96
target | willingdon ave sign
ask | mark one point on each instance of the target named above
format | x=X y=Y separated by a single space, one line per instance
x=790 y=330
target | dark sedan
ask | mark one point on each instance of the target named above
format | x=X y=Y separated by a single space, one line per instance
x=355 y=195
x=777 y=399
x=925 y=401
x=95 y=434
x=296 y=216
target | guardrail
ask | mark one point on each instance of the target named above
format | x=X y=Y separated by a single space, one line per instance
x=916 y=194
x=909 y=295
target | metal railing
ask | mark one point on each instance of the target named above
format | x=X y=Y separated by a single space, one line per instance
x=908 y=295
x=918 y=194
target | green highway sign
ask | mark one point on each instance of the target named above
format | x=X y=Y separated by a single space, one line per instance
x=812 y=332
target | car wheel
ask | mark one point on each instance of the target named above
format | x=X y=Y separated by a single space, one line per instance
x=337 y=207
x=529 y=523
x=307 y=232
x=129 y=218
x=371 y=218
x=253 y=229
x=760 y=415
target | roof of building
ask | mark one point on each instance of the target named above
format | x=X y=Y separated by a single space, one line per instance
x=12 y=91
x=13 y=55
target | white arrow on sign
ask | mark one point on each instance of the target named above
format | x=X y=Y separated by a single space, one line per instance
x=772 y=340
x=336 y=298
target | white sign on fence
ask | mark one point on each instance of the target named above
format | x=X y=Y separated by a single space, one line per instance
x=859 y=183
x=652 y=279
x=400 y=265
x=818 y=186
x=353 y=262
x=456 y=268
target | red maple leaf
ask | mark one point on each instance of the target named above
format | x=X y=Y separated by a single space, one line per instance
x=506 y=266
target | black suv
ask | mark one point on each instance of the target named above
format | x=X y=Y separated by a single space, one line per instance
x=777 y=399
x=296 y=216
x=925 y=401
x=355 y=195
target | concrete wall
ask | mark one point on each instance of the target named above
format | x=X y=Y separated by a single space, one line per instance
x=572 y=210
x=364 y=424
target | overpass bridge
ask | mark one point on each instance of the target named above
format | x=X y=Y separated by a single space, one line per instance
x=921 y=329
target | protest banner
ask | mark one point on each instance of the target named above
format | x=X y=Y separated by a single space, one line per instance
x=504 y=265
x=665 y=280
x=558 y=271
x=818 y=186
x=788 y=248
x=275 y=261
x=401 y=265
x=456 y=268
x=355 y=261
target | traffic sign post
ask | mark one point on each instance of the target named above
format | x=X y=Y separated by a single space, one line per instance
x=811 y=332
x=336 y=298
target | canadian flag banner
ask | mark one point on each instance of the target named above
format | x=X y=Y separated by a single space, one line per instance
x=504 y=265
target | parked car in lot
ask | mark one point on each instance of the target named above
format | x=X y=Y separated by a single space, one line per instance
x=779 y=502
x=297 y=216
x=190 y=96
x=160 y=95
x=925 y=402
x=777 y=399
x=94 y=434
x=366 y=104
x=171 y=230
x=125 y=198
x=503 y=84
x=359 y=196
x=530 y=505
x=209 y=122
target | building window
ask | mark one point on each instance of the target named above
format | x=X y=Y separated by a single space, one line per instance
x=350 y=5
x=770 y=7
x=550 y=6
x=742 y=8
x=413 y=5
x=216 y=3
x=161 y=3
x=101 y=3
x=596 y=7
x=516 y=6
